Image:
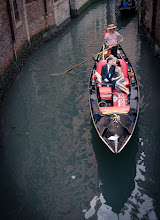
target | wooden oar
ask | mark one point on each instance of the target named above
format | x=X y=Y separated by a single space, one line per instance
x=89 y=58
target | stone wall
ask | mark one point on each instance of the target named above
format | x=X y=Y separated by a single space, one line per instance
x=150 y=23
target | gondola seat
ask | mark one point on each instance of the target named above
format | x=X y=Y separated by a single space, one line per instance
x=119 y=99
x=105 y=93
x=99 y=65
x=113 y=109
x=124 y=68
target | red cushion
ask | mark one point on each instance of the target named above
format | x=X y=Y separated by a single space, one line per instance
x=119 y=98
x=113 y=109
x=105 y=93
x=99 y=65
x=127 y=82
x=124 y=68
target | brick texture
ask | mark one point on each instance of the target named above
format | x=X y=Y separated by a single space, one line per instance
x=6 y=46
x=33 y=19
x=37 y=20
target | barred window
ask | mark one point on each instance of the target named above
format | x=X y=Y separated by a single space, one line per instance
x=16 y=10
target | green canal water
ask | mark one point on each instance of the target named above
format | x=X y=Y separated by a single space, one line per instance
x=52 y=163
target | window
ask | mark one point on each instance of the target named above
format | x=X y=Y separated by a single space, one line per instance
x=16 y=11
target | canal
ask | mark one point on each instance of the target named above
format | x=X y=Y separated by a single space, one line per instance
x=52 y=163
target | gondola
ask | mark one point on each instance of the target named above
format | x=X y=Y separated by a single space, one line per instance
x=127 y=10
x=114 y=113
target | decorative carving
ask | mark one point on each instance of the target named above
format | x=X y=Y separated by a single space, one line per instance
x=115 y=118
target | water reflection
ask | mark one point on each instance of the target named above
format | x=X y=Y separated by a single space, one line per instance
x=111 y=12
x=122 y=179
x=123 y=21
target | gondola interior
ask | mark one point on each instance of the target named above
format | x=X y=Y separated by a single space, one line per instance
x=114 y=113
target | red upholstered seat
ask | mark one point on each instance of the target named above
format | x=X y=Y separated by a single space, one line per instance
x=127 y=82
x=99 y=68
x=105 y=93
x=113 y=109
x=124 y=68
x=99 y=65
x=120 y=104
x=119 y=98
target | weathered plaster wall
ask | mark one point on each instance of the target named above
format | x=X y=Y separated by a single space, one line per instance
x=61 y=11
x=77 y=4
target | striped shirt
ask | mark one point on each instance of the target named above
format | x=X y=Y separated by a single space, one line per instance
x=112 y=38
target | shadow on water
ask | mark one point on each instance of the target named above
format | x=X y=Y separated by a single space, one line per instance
x=117 y=172
x=123 y=21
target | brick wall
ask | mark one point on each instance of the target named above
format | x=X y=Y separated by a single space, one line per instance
x=35 y=20
x=6 y=47
x=34 y=17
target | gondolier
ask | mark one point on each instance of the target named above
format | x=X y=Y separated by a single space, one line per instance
x=111 y=38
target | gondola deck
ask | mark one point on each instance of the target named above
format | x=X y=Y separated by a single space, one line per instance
x=114 y=114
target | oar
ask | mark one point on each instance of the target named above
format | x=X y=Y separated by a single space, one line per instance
x=89 y=58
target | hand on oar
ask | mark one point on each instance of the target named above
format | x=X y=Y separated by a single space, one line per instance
x=86 y=60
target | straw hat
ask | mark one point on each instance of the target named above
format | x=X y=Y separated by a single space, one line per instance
x=111 y=26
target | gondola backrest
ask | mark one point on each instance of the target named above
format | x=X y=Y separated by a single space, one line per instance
x=99 y=65
x=124 y=68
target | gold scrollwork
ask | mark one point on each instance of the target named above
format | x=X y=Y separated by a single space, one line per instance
x=115 y=118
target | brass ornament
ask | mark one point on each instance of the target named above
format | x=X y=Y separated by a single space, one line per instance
x=115 y=118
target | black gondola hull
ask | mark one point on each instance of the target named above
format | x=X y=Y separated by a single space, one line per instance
x=116 y=128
